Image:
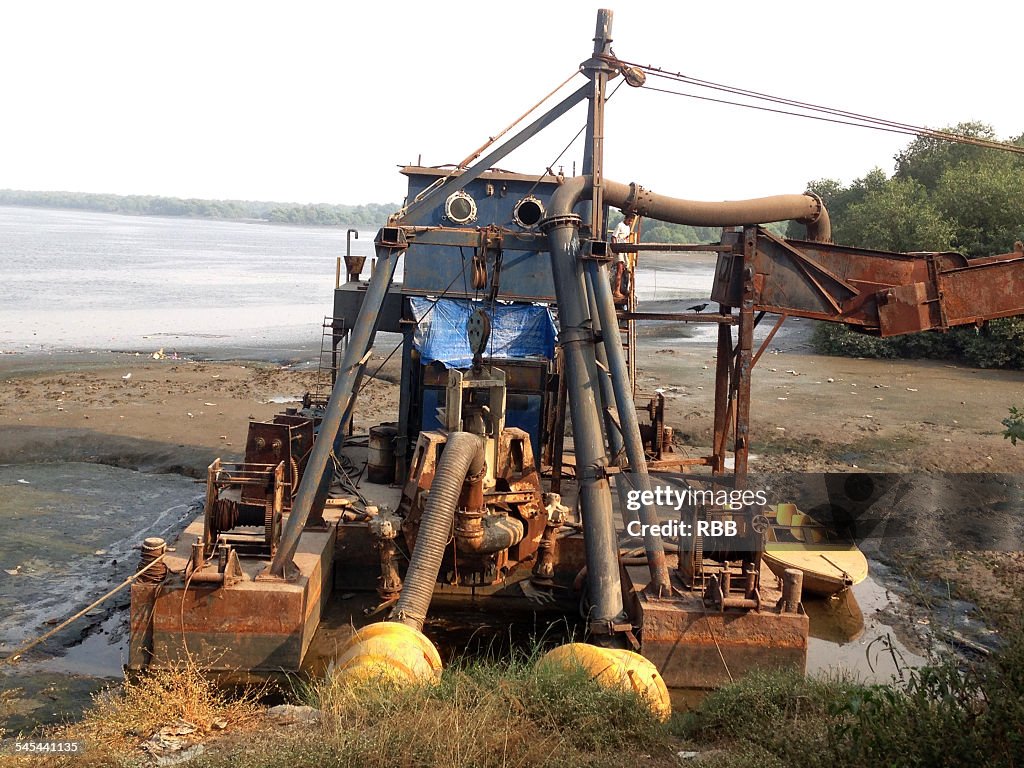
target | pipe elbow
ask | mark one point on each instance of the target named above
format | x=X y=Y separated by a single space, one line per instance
x=808 y=209
x=479 y=534
x=565 y=198
x=819 y=225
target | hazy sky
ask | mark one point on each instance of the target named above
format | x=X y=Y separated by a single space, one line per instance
x=317 y=101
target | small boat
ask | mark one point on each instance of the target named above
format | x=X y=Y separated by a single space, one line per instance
x=796 y=540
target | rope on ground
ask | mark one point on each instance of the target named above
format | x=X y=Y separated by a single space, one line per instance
x=16 y=656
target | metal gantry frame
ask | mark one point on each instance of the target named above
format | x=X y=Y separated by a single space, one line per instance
x=757 y=273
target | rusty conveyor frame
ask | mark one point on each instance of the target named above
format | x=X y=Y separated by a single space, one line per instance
x=876 y=292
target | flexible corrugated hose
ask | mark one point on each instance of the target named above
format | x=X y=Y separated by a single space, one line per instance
x=463 y=455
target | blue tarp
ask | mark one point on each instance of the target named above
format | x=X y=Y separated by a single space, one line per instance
x=518 y=331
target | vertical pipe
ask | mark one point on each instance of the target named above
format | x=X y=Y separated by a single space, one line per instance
x=558 y=436
x=722 y=369
x=576 y=339
x=745 y=348
x=607 y=399
x=604 y=379
x=633 y=443
x=317 y=476
x=405 y=404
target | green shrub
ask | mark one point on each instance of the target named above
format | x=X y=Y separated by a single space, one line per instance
x=999 y=344
x=945 y=714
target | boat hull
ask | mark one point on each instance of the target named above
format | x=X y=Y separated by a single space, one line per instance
x=827 y=570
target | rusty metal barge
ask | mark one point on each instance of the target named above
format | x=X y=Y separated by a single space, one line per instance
x=513 y=334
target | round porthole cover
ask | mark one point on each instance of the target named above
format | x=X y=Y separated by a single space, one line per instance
x=460 y=208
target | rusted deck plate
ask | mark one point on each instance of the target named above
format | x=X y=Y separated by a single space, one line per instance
x=695 y=647
x=259 y=626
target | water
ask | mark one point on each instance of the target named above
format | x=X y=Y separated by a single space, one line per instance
x=856 y=633
x=70 y=535
x=76 y=280
x=81 y=280
x=70 y=532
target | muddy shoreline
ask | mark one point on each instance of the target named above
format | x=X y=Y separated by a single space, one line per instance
x=811 y=415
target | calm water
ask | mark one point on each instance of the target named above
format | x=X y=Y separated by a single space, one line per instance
x=75 y=280
x=78 y=280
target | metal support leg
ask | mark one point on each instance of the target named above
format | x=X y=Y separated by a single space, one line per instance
x=632 y=441
x=744 y=358
x=319 y=469
x=722 y=391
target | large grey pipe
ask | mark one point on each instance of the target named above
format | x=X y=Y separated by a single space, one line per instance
x=606 y=393
x=806 y=209
x=576 y=338
x=631 y=438
x=463 y=456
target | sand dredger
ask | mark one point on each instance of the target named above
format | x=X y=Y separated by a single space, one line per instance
x=511 y=331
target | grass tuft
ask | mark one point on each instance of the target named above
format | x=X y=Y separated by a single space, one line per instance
x=486 y=713
x=120 y=720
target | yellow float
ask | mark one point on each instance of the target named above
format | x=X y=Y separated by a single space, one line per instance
x=388 y=651
x=614 y=669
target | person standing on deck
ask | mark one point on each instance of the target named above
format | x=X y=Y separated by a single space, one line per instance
x=623 y=234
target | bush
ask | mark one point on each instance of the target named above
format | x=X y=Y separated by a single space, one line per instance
x=944 y=715
x=999 y=344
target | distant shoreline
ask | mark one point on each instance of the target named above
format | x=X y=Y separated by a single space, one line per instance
x=363 y=216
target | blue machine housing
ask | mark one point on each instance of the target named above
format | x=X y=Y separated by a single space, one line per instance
x=432 y=268
x=486 y=226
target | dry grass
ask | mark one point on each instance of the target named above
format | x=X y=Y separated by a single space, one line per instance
x=487 y=714
x=483 y=713
x=122 y=719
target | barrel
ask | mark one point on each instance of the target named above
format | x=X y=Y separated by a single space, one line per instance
x=380 y=460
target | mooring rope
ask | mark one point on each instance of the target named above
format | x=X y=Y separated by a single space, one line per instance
x=16 y=656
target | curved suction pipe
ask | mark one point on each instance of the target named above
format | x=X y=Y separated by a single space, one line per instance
x=463 y=457
x=806 y=209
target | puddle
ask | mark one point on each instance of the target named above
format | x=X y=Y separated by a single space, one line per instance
x=854 y=633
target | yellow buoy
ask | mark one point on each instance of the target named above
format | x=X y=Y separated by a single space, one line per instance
x=613 y=668
x=391 y=651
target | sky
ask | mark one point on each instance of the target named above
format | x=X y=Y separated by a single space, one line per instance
x=321 y=101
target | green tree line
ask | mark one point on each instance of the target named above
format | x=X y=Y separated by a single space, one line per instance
x=942 y=196
x=369 y=216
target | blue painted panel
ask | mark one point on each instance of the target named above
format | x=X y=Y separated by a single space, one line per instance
x=526 y=418
x=525 y=275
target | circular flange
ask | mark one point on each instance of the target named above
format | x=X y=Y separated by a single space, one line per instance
x=528 y=212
